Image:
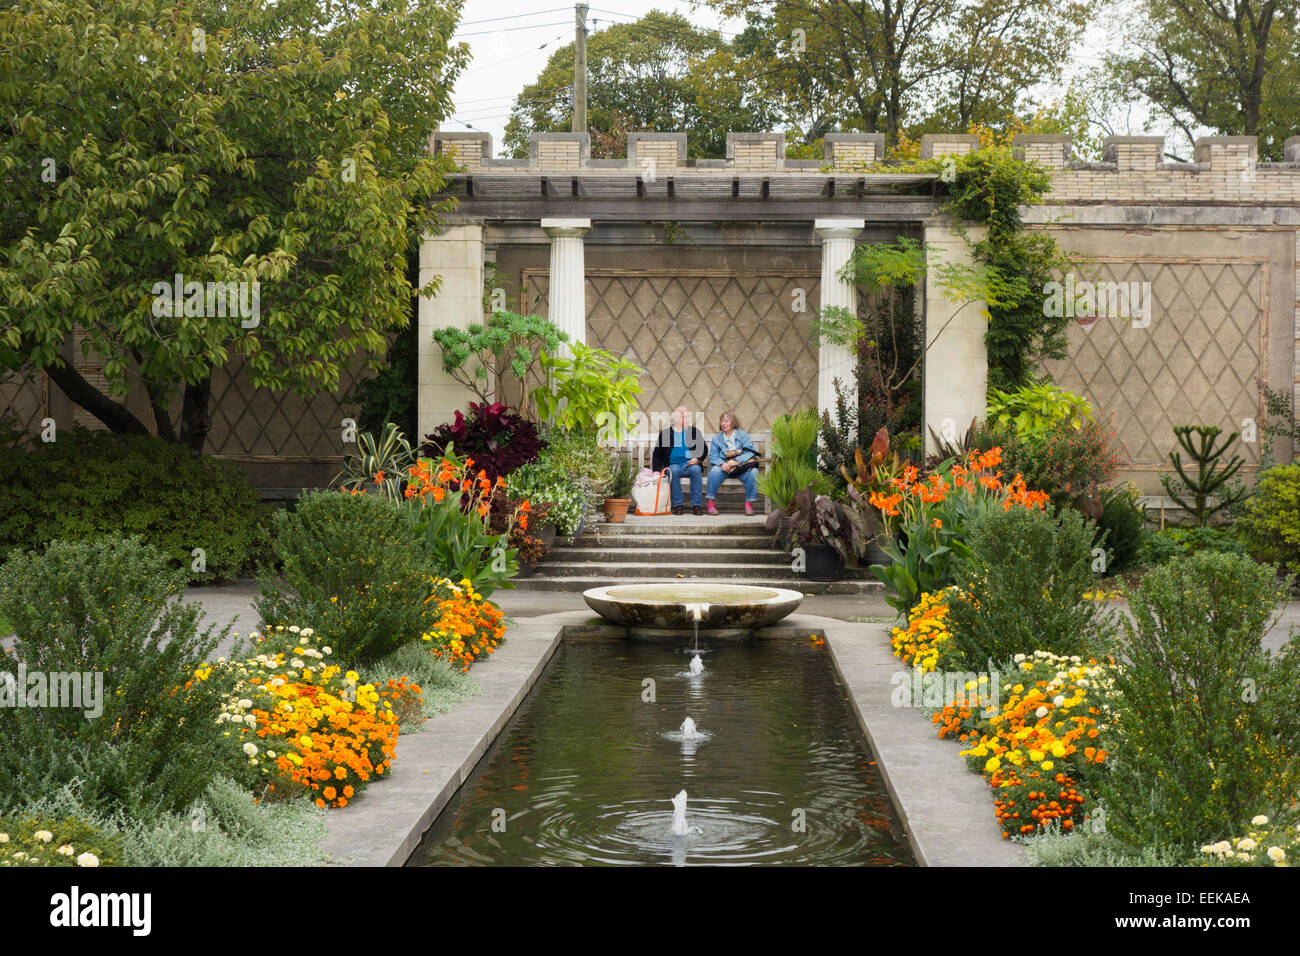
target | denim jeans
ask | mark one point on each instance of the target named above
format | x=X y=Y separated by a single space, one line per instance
x=693 y=472
x=749 y=479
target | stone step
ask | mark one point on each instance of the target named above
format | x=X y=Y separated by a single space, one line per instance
x=847 y=586
x=559 y=565
x=730 y=542
x=658 y=554
x=680 y=524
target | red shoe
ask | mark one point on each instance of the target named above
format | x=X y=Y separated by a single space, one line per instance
x=710 y=509
x=749 y=508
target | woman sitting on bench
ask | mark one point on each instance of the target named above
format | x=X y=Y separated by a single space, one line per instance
x=731 y=449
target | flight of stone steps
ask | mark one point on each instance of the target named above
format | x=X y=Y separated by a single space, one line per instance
x=730 y=547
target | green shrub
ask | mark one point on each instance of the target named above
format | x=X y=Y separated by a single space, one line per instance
x=1204 y=734
x=101 y=607
x=355 y=570
x=1034 y=411
x=1158 y=547
x=1122 y=523
x=92 y=483
x=1070 y=464
x=541 y=485
x=441 y=685
x=62 y=842
x=578 y=458
x=1271 y=525
x=1022 y=587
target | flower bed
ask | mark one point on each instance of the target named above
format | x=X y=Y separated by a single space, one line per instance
x=1039 y=749
x=1263 y=845
x=305 y=725
x=468 y=626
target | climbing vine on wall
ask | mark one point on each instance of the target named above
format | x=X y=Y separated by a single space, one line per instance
x=990 y=186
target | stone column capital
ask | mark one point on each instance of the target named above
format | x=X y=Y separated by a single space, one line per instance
x=566 y=228
x=838 y=228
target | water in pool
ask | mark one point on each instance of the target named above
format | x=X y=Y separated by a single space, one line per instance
x=774 y=767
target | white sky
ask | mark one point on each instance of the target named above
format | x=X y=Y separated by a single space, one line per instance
x=511 y=41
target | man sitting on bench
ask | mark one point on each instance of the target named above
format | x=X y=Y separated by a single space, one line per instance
x=681 y=449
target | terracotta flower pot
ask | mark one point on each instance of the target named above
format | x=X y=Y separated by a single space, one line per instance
x=616 y=509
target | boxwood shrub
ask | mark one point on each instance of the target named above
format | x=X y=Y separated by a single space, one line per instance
x=89 y=483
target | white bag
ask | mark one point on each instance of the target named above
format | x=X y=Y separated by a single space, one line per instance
x=654 y=497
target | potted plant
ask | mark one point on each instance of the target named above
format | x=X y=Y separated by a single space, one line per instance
x=831 y=533
x=619 y=497
x=794 y=466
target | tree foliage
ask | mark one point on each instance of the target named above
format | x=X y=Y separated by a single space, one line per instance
x=280 y=143
x=906 y=66
x=1229 y=66
x=641 y=76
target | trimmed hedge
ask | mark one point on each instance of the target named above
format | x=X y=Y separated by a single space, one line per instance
x=90 y=483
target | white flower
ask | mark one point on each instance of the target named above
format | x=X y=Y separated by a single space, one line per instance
x=271 y=754
x=307 y=632
x=251 y=720
x=4 y=838
x=1223 y=846
x=1041 y=712
x=294 y=629
x=250 y=749
x=1018 y=658
x=20 y=855
x=1246 y=843
x=327 y=650
x=45 y=836
x=1259 y=821
x=1058 y=700
x=87 y=859
x=296 y=662
x=67 y=850
x=1276 y=854
x=245 y=703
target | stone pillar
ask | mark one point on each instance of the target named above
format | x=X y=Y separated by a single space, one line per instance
x=567 y=296
x=455 y=254
x=839 y=237
x=955 y=368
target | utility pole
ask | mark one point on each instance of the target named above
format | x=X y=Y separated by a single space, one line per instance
x=580 y=68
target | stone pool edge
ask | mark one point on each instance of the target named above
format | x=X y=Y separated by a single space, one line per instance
x=946 y=810
x=385 y=825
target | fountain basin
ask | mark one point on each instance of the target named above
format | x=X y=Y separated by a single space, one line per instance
x=675 y=606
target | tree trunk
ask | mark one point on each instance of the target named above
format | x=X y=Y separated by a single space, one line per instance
x=116 y=416
x=194 y=415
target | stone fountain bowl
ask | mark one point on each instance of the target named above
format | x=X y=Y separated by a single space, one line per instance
x=669 y=606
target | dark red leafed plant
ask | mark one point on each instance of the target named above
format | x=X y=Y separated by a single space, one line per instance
x=496 y=436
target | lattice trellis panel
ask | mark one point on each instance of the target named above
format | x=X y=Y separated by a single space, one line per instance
x=1199 y=362
x=259 y=424
x=712 y=341
x=24 y=401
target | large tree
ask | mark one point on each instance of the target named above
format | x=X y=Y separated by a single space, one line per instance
x=277 y=142
x=1230 y=66
x=910 y=66
x=641 y=76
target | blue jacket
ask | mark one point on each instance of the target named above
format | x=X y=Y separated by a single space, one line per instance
x=718 y=447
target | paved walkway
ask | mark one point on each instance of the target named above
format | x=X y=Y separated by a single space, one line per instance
x=233 y=604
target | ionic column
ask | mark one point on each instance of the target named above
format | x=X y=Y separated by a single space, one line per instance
x=567 y=298
x=839 y=237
